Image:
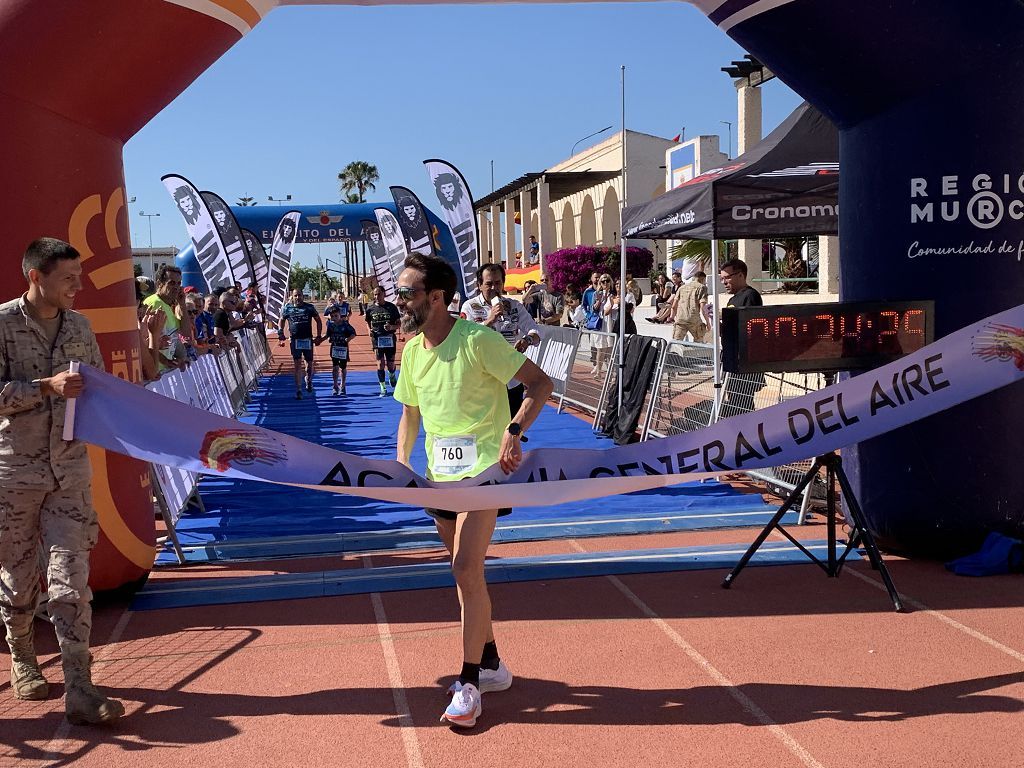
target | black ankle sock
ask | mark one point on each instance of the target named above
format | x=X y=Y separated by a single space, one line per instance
x=490 y=659
x=470 y=674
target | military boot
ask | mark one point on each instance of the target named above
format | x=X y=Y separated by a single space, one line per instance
x=27 y=679
x=84 y=704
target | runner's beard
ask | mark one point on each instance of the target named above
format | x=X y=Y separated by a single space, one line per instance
x=412 y=322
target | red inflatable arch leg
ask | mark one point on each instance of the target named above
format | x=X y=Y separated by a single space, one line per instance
x=76 y=81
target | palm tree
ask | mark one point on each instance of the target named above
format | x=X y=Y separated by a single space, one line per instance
x=350 y=197
x=699 y=251
x=791 y=264
x=360 y=177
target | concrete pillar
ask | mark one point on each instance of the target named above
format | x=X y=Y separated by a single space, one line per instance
x=510 y=232
x=546 y=236
x=828 y=265
x=748 y=133
x=525 y=211
x=485 y=236
x=495 y=239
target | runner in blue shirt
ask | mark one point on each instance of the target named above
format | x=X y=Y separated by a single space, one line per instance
x=339 y=333
x=337 y=300
x=300 y=315
x=383 y=319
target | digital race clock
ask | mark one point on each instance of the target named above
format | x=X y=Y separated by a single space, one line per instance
x=843 y=336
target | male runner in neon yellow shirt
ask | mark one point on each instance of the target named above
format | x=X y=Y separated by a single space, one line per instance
x=454 y=377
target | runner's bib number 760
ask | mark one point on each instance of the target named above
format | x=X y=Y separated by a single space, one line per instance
x=385 y=342
x=454 y=455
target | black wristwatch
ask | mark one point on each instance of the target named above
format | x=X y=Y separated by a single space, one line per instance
x=516 y=430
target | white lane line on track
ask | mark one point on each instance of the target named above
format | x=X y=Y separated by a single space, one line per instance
x=741 y=698
x=413 y=756
x=53 y=751
x=918 y=605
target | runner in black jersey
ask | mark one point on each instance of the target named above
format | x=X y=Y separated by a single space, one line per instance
x=339 y=333
x=300 y=315
x=383 y=319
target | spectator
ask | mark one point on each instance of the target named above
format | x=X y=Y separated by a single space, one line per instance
x=507 y=316
x=620 y=297
x=205 y=329
x=456 y=305
x=151 y=336
x=690 y=302
x=550 y=306
x=166 y=299
x=222 y=320
x=534 y=255
x=634 y=288
x=575 y=314
x=667 y=305
x=662 y=290
x=601 y=307
x=588 y=294
x=529 y=299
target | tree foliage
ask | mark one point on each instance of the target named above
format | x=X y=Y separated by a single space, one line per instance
x=302 y=276
x=573 y=266
x=358 y=177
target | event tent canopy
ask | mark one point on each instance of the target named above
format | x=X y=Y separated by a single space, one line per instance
x=785 y=185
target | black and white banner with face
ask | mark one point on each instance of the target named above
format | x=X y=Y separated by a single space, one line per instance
x=206 y=240
x=260 y=266
x=280 y=265
x=257 y=257
x=457 y=203
x=382 y=270
x=555 y=353
x=394 y=243
x=413 y=221
x=231 y=236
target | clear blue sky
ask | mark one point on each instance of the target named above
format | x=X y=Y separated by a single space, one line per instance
x=315 y=87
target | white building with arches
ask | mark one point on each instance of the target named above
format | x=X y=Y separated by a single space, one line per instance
x=575 y=202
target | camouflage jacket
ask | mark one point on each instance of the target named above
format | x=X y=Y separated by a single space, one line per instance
x=33 y=453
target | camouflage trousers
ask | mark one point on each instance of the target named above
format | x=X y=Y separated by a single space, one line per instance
x=64 y=523
x=695 y=327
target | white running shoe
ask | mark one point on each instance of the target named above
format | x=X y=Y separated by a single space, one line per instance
x=465 y=706
x=492 y=680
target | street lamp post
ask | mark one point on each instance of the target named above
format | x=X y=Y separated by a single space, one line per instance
x=279 y=200
x=590 y=136
x=727 y=123
x=150 y=217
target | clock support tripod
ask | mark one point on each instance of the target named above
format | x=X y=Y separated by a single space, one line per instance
x=860 y=534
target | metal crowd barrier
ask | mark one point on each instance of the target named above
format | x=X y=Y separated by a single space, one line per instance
x=589 y=373
x=746 y=395
x=683 y=395
x=216 y=383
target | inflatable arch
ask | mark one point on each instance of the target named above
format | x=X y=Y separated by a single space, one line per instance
x=926 y=95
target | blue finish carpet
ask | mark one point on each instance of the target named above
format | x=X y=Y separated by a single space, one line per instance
x=247 y=520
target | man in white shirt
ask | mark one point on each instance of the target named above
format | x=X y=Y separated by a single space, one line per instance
x=505 y=315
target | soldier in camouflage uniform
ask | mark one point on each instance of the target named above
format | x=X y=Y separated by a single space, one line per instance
x=45 y=481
